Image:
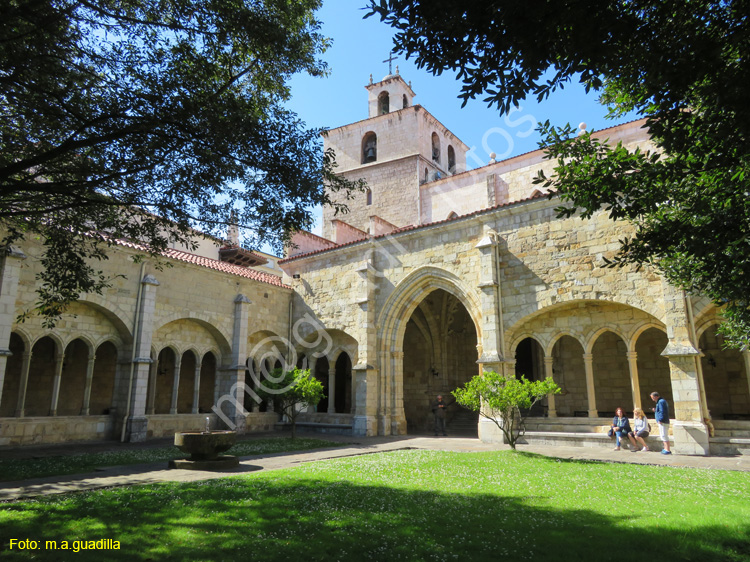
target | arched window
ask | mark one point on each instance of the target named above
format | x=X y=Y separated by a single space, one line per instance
x=426 y=175
x=369 y=196
x=452 y=215
x=435 y=148
x=383 y=103
x=451 y=160
x=369 y=148
x=406 y=102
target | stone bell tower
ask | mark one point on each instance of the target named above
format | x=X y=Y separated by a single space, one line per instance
x=396 y=149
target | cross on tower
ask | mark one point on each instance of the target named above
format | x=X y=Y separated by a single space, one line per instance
x=390 y=60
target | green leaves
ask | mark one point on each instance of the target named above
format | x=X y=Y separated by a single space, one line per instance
x=501 y=399
x=291 y=392
x=682 y=66
x=143 y=119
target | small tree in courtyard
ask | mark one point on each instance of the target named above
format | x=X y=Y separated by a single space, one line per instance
x=502 y=399
x=292 y=392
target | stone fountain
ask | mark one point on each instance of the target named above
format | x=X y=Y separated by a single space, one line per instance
x=205 y=448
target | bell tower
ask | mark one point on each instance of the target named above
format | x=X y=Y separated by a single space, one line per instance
x=396 y=149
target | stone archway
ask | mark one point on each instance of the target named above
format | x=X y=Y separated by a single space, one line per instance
x=392 y=323
x=530 y=364
x=321 y=373
x=569 y=372
x=611 y=374
x=40 y=384
x=440 y=353
x=103 y=380
x=13 y=375
x=725 y=378
x=343 y=384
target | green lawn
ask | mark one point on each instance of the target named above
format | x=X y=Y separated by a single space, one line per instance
x=407 y=505
x=20 y=469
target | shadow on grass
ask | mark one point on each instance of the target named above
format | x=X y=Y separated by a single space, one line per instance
x=285 y=518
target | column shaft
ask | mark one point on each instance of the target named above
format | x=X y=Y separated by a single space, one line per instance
x=87 y=389
x=634 y=381
x=588 y=363
x=56 y=381
x=548 y=373
x=175 y=383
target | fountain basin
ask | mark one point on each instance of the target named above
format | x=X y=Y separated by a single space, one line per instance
x=205 y=450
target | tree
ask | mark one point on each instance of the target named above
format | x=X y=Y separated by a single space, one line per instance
x=145 y=119
x=681 y=65
x=504 y=400
x=291 y=392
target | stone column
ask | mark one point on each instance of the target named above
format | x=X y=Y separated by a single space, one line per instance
x=87 y=388
x=492 y=316
x=20 y=406
x=398 y=419
x=10 y=270
x=588 y=363
x=137 y=421
x=230 y=382
x=689 y=429
x=175 y=383
x=196 y=385
x=548 y=373
x=634 y=381
x=153 y=372
x=331 y=389
x=372 y=415
x=56 y=381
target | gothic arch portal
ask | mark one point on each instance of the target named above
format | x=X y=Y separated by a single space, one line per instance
x=395 y=316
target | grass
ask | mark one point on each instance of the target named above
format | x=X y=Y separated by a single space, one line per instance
x=20 y=469
x=406 y=505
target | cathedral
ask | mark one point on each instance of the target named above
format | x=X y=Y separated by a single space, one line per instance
x=437 y=273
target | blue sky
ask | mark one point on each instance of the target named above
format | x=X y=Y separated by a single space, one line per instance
x=360 y=46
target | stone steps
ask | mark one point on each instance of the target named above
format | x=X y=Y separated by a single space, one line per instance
x=318 y=427
x=580 y=439
x=729 y=446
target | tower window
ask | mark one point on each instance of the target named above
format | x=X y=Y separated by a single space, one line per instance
x=435 y=148
x=451 y=160
x=369 y=196
x=369 y=148
x=406 y=102
x=383 y=103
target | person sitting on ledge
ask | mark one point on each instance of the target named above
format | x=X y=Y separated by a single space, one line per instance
x=620 y=427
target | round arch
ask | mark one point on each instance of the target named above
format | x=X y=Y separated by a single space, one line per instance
x=557 y=337
x=547 y=305
x=638 y=330
x=202 y=320
x=101 y=305
x=592 y=339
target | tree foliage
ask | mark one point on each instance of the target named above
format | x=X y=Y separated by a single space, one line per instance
x=144 y=119
x=291 y=392
x=681 y=65
x=504 y=400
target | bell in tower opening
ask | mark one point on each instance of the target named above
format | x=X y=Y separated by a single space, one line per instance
x=369 y=148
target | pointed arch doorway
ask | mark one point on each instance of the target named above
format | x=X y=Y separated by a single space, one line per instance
x=440 y=355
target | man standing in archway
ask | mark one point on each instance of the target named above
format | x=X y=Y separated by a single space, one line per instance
x=438 y=409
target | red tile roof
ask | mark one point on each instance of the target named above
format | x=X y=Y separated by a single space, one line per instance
x=209 y=263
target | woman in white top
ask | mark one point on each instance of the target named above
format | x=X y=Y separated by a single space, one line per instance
x=640 y=430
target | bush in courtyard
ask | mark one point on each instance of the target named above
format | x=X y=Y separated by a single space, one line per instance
x=292 y=392
x=505 y=400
